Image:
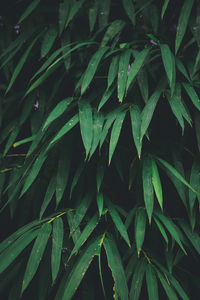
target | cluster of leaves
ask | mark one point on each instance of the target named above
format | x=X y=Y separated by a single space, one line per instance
x=100 y=142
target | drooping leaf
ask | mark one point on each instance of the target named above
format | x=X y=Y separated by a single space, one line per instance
x=114 y=29
x=80 y=269
x=142 y=79
x=57 y=111
x=29 y=10
x=86 y=124
x=182 y=68
x=164 y=7
x=149 y=108
x=148 y=186
x=136 y=125
x=183 y=22
x=152 y=286
x=57 y=242
x=85 y=234
x=192 y=94
x=123 y=73
x=170 y=226
x=195 y=183
x=116 y=129
x=48 y=41
x=115 y=264
x=92 y=67
x=168 y=289
x=169 y=64
x=161 y=229
x=137 y=280
x=157 y=183
x=36 y=254
x=104 y=10
x=48 y=195
x=100 y=201
x=74 y=8
x=117 y=221
x=93 y=15
x=191 y=235
x=98 y=120
x=136 y=66
x=129 y=9
x=140 y=226
x=112 y=72
x=11 y=139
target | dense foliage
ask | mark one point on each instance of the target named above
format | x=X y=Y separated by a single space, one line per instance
x=100 y=142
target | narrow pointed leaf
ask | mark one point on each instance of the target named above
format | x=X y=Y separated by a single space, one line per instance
x=161 y=229
x=140 y=226
x=48 y=41
x=48 y=195
x=152 y=286
x=85 y=234
x=116 y=129
x=183 y=22
x=36 y=254
x=192 y=94
x=80 y=268
x=115 y=264
x=93 y=15
x=117 y=221
x=98 y=120
x=76 y=178
x=57 y=242
x=175 y=173
x=92 y=67
x=170 y=226
x=195 y=183
x=149 y=108
x=169 y=65
x=112 y=72
x=182 y=68
x=157 y=183
x=136 y=125
x=136 y=66
x=86 y=124
x=129 y=9
x=106 y=96
x=13 y=250
x=104 y=10
x=148 y=186
x=66 y=128
x=29 y=10
x=123 y=73
x=168 y=289
x=142 y=79
x=137 y=280
x=114 y=29
x=57 y=111
x=164 y=7
x=100 y=201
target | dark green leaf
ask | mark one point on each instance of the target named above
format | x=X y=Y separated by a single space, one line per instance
x=148 y=186
x=140 y=226
x=152 y=286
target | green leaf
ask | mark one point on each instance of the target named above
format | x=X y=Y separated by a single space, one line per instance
x=104 y=10
x=57 y=241
x=106 y=96
x=170 y=226
x=11 y=247
x=129 y=9
x=98 y=120
x=92 y=67
x=57 y=111
x=183 y=22
x=148 y=186
x=80 y=269
x=63 y=14
x=162 y=230
x=137 y=280
x=137 y=65
x=136 y=125
x=11 y=140
x=142 y=79
x=164 y=7
x=114 y=28
x=81 y=210
x=21 y=63
x=48 y=40
x=93 y=15
x=174 y=172
x=117 y=221
x=77 y=175
x=116 y=129
x=182 y=68
x=74 y=8
x=192 y=236
x=195 y=183
x=66 y=128
x=157 y=183
x=36 y=254
x=113 y=69
x=192 y=94
x=86 y=124
x=149 y=108
x=115 y=264
x=152 y=286
x=34 y=172
x=85 y=234
x=169 y=291
x=29 y=10
x=100 y=201
x=178 y=288
x=169 y=65
x=48 y=196
x=140 y=226
x=197 y=128
x=123 y=73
